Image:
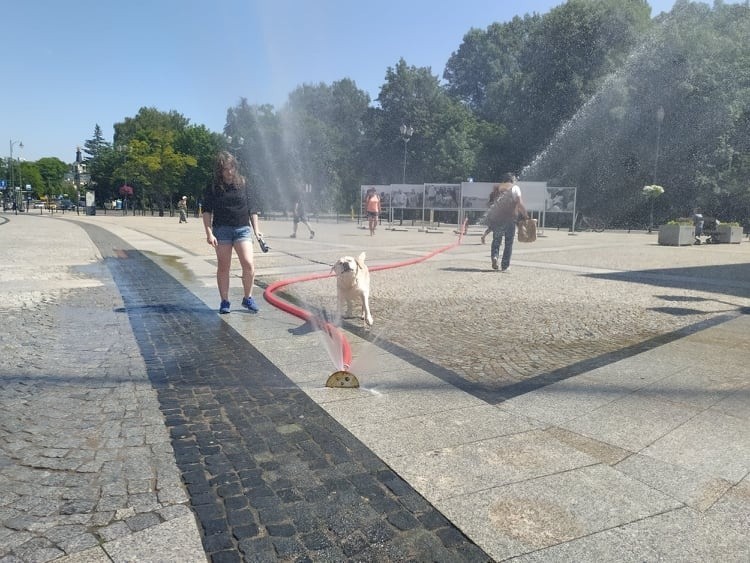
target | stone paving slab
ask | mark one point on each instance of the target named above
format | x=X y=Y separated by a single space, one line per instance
x=711 y=442
x=687 y=484
x=554 y=509
x=633 y=422
x=420 y=434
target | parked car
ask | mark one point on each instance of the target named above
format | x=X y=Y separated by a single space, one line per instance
x=66 y=205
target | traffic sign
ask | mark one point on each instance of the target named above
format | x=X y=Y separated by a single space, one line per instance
x=2 y=184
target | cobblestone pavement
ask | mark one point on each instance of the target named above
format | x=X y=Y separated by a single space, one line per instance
x=542 y=320
x=121 y=348
x=84 y=454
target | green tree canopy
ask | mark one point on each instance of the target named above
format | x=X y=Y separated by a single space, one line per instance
x=51 y=174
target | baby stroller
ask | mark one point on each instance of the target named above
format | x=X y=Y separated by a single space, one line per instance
x=709 y=232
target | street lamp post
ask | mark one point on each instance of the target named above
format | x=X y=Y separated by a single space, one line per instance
x=659 y=119
x=10 y=167
x=406 y=133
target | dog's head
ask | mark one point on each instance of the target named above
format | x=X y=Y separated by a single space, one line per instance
x=349 y=266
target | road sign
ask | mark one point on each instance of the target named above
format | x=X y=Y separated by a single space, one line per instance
x=2 y=184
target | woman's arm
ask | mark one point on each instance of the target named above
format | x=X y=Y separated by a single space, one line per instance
x=207 y=220
x=255 y=224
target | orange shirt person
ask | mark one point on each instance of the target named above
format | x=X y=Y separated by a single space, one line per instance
x=372 y=206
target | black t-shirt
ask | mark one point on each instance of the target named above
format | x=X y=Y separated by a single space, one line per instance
x=229 y=206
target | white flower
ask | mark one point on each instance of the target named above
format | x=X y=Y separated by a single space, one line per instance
x=653 y=190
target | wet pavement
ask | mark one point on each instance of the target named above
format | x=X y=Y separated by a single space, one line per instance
x=590 y=404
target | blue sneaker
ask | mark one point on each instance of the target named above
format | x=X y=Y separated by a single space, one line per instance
x=250 y=304
x=224 y=307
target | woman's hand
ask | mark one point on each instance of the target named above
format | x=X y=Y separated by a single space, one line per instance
x=211 y=240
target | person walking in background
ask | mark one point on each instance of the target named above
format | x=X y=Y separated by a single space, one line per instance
x=698 y=222
x=227 y=221
x=299 y=215
x=501 y=217
x=182 y=208
x=372 y=206
x=493 y=196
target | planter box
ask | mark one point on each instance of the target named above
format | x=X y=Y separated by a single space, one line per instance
x=676 y=235
x=729 y=233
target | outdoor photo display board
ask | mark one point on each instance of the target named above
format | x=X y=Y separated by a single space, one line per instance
x=469 y=199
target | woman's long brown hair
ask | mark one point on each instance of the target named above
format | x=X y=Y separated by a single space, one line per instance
x=226 y=162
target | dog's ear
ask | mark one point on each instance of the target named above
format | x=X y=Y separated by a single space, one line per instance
x=360 y=260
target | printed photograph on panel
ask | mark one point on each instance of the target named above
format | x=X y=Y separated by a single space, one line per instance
x=407 y=196
x=560 y=199
x=442 y=196
x=475 y=195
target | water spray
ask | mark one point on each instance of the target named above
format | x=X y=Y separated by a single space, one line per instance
x=341 y=378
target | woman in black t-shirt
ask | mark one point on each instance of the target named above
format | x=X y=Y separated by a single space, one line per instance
x=227 y=220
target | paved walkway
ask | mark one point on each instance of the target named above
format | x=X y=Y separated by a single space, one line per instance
x=590 y=405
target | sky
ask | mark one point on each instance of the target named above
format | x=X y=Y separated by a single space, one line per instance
x=68 y=66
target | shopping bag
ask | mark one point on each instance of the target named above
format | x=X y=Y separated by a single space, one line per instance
x=526 y=230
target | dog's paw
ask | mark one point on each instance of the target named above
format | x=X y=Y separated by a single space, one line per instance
x=367 y=319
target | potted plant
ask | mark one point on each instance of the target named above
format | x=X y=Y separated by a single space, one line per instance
x=679 y=232
x=729 y=233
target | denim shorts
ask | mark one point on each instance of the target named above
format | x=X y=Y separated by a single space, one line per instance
x=229 y=235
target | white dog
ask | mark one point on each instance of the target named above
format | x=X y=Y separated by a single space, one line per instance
x=353 y=283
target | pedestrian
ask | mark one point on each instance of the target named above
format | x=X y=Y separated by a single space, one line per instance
x=182 y=208
x=230 y=223
x=698 y=223
x=299 y=215
x=501 y=218
x=493 y=196
x=372 y=206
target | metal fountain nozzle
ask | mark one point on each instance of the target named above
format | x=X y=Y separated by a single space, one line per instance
x=342 y=379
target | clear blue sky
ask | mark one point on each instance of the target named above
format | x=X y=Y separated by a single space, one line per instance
x=68 y=66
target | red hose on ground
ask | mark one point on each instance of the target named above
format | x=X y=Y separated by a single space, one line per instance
x=330 y=329
x=333 y=331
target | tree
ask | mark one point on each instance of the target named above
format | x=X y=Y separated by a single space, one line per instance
x=485 y=72
x=256 y=139
x=694 y=64
x=29 y=175
x=443 y=145
x=96 y=145
x=152 y=164
x=323 y=130
x=52 y=172
x=529 y=76
x=145 y=156
x=203 y=145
